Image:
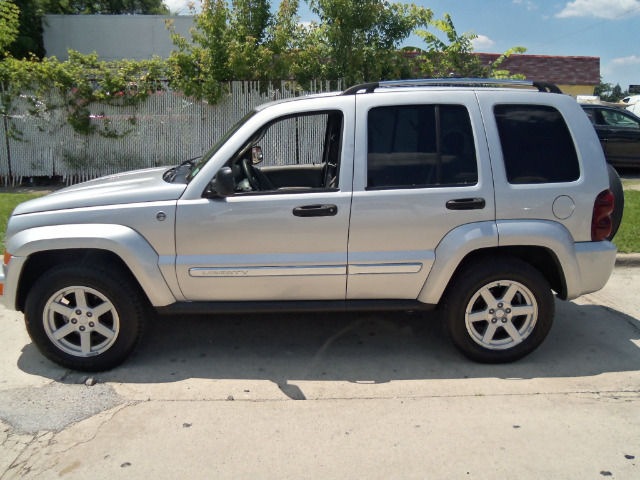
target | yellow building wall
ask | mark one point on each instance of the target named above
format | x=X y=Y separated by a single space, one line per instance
x=575 y=90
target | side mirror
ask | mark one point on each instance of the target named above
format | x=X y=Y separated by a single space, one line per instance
x=256 y=155
x=223 y=185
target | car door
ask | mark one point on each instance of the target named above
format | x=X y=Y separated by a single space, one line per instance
x=421 y=169
x=622 y=147
x=283 y=240
x=595 y=117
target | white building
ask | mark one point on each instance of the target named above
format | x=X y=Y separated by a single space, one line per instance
x=113 y=37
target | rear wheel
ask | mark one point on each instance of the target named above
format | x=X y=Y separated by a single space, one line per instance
x=498 y=310
x=84 y=318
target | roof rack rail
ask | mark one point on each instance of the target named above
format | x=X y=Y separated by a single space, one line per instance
x=421 y=82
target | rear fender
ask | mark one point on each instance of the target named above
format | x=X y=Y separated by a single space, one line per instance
x=466 y=239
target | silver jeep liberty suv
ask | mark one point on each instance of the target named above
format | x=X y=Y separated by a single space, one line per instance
x=480 y=197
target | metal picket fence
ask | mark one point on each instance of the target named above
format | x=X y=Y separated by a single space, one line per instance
x=163 y=130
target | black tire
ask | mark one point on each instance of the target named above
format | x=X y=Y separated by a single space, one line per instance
x=615 y=185
x=492 y=331
x=84 y=318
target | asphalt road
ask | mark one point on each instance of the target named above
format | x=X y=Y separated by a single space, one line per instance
x=333 y=396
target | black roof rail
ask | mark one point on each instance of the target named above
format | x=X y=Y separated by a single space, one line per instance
x=547 y=87
x=423 y=82
x=367 y=87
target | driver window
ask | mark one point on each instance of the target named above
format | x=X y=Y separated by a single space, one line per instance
x=292 y=154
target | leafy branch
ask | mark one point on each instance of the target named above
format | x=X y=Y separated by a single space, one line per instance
x=81 y=80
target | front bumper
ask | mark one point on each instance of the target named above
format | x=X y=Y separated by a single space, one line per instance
x=9 y=275
x=2 y=280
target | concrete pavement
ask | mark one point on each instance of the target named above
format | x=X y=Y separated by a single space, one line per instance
x=333 y=396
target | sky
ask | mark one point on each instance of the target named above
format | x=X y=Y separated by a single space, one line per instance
x=608 y=29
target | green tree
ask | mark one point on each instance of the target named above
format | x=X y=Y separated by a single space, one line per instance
x=250 y=18
x=29 y=39
x=610 y=93
x=81 y=80
x=298 y=50
x=249 y=55
x=199 y=66
x=355 y=41
x=8 y=25
x=455 y=55
x=442 y=58
x=363 y=37
x=227 y=43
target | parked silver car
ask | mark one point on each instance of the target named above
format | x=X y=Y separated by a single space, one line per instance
x=477 y=199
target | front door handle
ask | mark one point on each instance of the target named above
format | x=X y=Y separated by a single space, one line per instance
x=466 y=204
x=315 y=211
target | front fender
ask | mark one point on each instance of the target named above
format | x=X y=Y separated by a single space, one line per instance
x=123 y=241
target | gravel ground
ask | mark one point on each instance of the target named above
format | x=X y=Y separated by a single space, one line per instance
x=55 y=406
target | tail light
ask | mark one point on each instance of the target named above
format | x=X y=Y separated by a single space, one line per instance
x=5 y=261
x=601 y=221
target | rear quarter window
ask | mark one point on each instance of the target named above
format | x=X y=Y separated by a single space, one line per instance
x=537 y=146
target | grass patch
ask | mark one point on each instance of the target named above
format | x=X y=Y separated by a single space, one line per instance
x=628 y=237
x=9 y=201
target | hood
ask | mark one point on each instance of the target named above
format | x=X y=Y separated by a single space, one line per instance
x=129 y=187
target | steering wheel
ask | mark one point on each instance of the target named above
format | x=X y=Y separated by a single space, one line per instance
x=250 y=173
x=256 y=178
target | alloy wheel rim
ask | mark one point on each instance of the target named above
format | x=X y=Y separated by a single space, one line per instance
x=81 y=321
x=501 y=315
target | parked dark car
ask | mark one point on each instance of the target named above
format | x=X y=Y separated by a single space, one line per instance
x=619 y=133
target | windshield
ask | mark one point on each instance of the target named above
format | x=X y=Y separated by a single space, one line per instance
x=207 y=156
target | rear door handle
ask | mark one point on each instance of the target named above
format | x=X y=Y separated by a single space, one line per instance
x=315 y=211
x=466 y=204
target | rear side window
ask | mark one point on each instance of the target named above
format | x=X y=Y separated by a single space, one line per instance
x=536 y=144
x=419 y=146
x=619 y=119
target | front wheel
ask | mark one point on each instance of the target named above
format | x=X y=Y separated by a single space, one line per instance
x=498 y=310
x=84 y=318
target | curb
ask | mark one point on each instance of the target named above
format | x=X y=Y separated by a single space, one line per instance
x=628 y=260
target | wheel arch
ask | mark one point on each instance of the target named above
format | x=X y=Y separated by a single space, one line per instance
x=41 y=262
x=540 y=258
x=39 y=249
x=546 y=246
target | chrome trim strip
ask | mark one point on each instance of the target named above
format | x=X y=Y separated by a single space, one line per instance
x=386 y=268
x=287 y=271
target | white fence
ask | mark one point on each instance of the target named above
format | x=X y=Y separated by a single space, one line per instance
x=163 y=130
